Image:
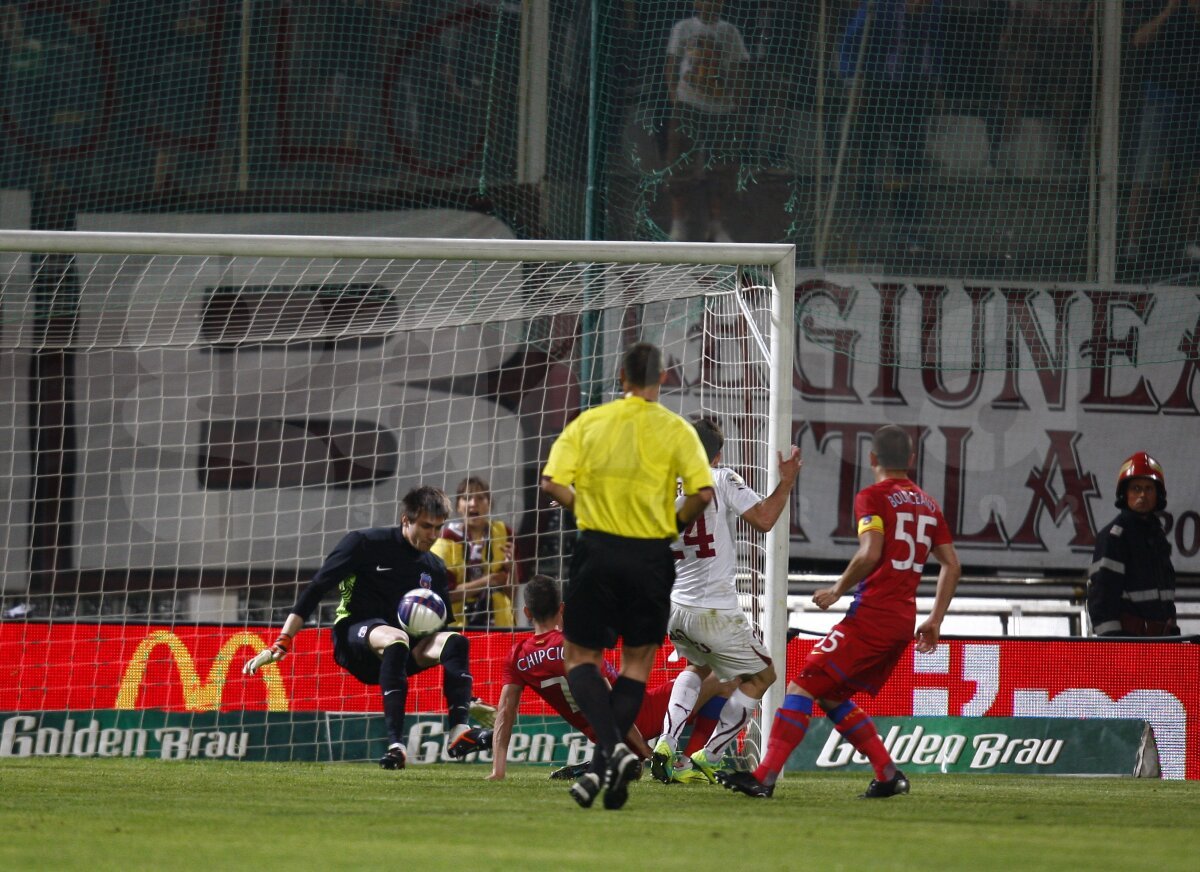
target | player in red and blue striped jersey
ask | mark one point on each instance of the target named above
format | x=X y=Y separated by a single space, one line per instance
x=899 y=527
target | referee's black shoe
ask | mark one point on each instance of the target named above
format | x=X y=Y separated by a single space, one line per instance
x=623 y=765
x=883 y=789
x=585 y=789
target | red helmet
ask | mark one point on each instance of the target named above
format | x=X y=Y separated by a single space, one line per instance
x=1141 y=465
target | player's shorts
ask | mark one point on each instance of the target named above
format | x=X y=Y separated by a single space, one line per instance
x=618 y=587
x=352 y=651
x=854 y=657
x=720 y=638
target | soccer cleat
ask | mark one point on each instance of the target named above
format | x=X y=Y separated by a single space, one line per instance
x=482 y=713
x=745 y=782
x=622 y=766
x=662 y=761
x=687 y=775
x=883 y=789
x=705 y=766
x=635 y=771
x=395 y=758
x=570 y=772
x=469 y=742
x=585 y=789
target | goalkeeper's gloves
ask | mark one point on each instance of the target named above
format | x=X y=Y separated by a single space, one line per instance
x=278 y=650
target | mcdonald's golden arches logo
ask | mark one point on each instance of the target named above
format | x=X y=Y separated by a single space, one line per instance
x=200 y=695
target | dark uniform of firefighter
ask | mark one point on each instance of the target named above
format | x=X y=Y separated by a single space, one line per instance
x=1131 y=584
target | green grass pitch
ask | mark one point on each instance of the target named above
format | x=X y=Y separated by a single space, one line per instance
x=149 y=814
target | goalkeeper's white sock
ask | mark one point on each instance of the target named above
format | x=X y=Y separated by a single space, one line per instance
x=684 y=694
x=735 y=715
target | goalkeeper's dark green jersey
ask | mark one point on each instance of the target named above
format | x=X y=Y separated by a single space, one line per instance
x=371 y=570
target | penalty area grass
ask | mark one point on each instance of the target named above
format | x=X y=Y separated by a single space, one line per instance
x=58 y=813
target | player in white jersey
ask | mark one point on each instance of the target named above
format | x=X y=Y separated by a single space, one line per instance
x=707 y=626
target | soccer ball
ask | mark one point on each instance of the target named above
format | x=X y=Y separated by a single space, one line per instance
x=421 y=612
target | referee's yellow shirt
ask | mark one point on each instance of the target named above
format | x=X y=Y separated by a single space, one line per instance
x=623 y=459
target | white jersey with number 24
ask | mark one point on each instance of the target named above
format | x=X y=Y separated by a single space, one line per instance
x=706 y=552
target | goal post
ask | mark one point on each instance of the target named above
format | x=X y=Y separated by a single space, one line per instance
x=194 y=420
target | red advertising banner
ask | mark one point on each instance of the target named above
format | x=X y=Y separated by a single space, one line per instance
x=64 y=666
x=1068 y=678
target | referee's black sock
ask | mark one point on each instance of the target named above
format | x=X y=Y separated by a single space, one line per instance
x=626 y=700
x=456 y=679
x=393 y=684
x=592 y=696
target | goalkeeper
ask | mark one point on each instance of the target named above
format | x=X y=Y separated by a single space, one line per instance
x=371 y=570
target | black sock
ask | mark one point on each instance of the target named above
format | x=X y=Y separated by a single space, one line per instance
x=626 y=700
x=591 y=695
x=456 y=679
x=393 y=683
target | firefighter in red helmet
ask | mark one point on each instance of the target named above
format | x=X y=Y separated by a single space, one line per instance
x=1131 y=584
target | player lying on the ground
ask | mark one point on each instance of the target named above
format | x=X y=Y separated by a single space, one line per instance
x=537 y=663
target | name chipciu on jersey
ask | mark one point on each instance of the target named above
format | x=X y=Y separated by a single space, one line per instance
x=538 y=656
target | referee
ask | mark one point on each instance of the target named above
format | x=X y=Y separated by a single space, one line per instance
x=616 y=467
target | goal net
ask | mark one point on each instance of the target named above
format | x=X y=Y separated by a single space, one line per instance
x=191 y=423
x=978 y=137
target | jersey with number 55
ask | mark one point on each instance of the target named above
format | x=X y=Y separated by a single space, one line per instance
x=911 y=525
x=706 y=552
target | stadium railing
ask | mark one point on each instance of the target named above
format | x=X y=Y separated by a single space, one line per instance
x=1008 y=599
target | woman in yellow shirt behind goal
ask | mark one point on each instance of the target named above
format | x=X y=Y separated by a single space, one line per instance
x=478 y=552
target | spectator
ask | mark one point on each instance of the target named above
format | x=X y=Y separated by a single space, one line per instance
x=180 y=96
x=1167 y=38
x=53 y=89
x=1131 y=584
x=893 y=49
x=1045 y=56
x=478 y=551
x=704 y=79
x=972 y=31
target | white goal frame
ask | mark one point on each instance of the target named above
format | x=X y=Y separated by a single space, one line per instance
x=774 y=259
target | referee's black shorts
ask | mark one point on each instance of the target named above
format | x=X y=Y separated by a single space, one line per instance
x=618 y=587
